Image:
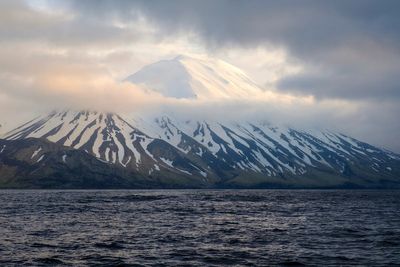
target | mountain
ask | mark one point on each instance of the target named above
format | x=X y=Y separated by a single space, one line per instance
x=217 y=154
x=166 y=151
x=197 y=77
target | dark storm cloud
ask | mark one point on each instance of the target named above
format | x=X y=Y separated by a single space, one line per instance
x=351 y=85
x=339 y=42
x=21 y=23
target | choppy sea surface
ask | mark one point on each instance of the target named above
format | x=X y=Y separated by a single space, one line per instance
x=200 y=228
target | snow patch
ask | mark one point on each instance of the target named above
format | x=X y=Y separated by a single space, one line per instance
x=168 y=162
x=36 y=152
x=40 y=159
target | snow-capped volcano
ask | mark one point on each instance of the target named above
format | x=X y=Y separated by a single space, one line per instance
x=195 y=77
x=203 y=153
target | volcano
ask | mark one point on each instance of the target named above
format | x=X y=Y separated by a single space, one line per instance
x=164 y=151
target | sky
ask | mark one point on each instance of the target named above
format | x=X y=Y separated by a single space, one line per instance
x=338 y=61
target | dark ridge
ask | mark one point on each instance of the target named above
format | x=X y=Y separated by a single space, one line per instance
x=53 y=131
x=78 y=139
x=65 y=138
x=90 y=143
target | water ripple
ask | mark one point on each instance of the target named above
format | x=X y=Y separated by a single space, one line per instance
x=199 y=228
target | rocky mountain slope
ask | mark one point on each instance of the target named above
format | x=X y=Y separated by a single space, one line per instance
x=38 y=163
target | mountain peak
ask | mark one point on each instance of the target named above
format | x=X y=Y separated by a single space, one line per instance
x=203 y=57
x=195 y=76
x=181 y=57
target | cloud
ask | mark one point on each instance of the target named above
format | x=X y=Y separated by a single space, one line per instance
x=362 y=71
x=322 y=35
x=74 y=85
x=337 y=62
x=20 y=22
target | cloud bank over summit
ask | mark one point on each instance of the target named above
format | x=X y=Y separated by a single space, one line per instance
x=354 y=42
x=330 y=65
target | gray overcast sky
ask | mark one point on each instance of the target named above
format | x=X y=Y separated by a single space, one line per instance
x=344 y=54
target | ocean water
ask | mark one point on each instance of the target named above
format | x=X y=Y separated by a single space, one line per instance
x=200 y=228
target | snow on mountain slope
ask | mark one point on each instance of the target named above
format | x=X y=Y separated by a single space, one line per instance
x=207 y=148
x=264 y=148
x=108 y=137
x=104 y=135
x=195 y=77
